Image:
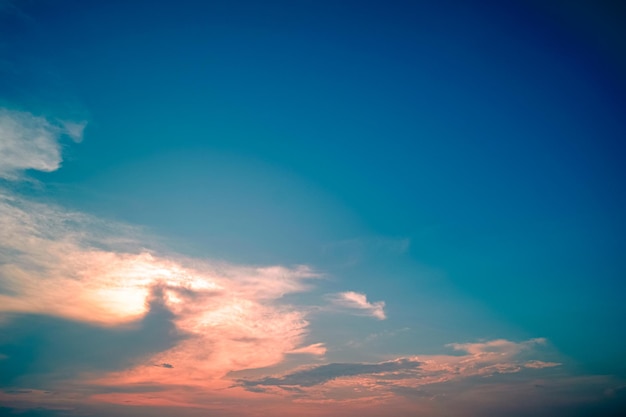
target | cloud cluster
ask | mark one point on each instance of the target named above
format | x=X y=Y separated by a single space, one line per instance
x=52 y=262
x=357 y=301
x=59 y=263
x=31 y=142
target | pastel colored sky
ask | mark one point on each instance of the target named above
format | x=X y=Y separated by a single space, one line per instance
x=312 y=208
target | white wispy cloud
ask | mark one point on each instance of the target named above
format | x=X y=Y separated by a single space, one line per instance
x=540 y=364
x=31 y=142
x=358 y=301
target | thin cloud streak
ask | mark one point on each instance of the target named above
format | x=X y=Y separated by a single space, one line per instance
x=316 y=349
x=408 y=383
x=324 y=373
x=357 y=301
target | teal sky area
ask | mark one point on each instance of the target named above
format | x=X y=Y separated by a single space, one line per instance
x=289 y=206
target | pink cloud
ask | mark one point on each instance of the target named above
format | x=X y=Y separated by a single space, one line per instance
x=317 y=349
x=232 y=316
x=540 y=364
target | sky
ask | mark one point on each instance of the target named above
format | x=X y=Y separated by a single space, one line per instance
x=312 y=208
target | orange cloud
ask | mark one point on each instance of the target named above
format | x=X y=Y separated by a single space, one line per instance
x=231 y=315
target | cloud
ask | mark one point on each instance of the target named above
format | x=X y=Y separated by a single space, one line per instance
x=407 y=374
x=31 y=142
x=358 y=301
x=498 y=346
x=324 y=373
x=41 y=350
x=540 y=364
x=74 y=130
x=317 y=349
x=79 y=269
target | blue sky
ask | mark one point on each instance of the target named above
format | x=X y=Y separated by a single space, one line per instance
x=338 y=201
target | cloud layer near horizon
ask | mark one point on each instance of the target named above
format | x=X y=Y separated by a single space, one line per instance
x=477 y=359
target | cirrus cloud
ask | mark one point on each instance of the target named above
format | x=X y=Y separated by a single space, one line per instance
x=358 y=301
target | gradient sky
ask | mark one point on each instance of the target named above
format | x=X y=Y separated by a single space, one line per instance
x=312 y=208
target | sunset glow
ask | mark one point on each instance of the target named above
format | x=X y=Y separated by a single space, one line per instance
x=327 y=208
